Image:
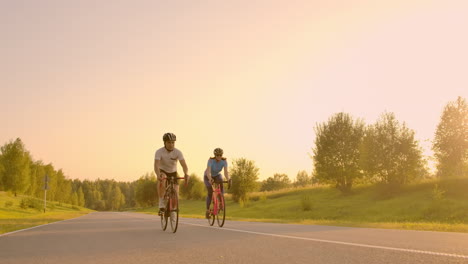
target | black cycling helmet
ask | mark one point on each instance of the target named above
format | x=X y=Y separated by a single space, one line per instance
x=218 y=151
x=169 y=137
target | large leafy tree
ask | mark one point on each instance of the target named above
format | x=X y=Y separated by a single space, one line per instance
x=451 y=140
x=15 y=160
x=244 y=175
x=336 y=151
x=390 y=154
x=277 y=182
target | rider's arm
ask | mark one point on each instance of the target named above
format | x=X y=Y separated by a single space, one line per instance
x=208 y=173
x=156 y=169
x=208 y=170
x=226 y=173
x=184 y=167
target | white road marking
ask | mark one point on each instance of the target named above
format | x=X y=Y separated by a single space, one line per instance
x=335 y=242
x=283 y=236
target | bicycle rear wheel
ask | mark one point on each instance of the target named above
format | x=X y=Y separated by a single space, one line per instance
x=174 y=211
x=221 y=216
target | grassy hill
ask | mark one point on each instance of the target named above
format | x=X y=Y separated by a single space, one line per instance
x=23 y=211
x=430 y=205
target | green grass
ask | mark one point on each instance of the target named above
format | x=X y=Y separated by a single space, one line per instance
x=13 y=217
x=414 y=207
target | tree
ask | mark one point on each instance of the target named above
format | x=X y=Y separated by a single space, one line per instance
x=15 y=167
x=64 y=188
x=1 y=173
x=81 y=199
x=336 y=152
x=389 y=153
x=88 y=189
x=451 y=140
x=128 y=190
x=277 y=182
x=302 y=179
x=117 y=200
x=146 y=193
x=244 y=175
x=194 y=190
x=53 y=181
x=74 y=199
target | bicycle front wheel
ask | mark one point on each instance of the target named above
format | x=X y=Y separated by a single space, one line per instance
x=174 y=211
x=221 y=216
x=164 y=220
x=211 y=218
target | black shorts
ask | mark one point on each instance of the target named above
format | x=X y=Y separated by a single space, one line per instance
x=171 y=175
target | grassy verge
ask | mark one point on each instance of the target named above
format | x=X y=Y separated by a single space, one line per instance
x=13 y=216
x=430 y=205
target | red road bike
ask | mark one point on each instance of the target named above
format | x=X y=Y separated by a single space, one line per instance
x=218 y=206
x=171 y=212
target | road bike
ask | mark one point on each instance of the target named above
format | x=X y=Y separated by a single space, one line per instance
x=218 y=206
x=171 y=212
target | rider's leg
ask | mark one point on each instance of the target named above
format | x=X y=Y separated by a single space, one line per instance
x=161 y=191
x=209 y=190
x=208 y=196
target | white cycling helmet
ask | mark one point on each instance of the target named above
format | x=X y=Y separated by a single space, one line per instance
x=169 y=137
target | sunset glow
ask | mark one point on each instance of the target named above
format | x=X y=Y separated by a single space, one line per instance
x=92 y=86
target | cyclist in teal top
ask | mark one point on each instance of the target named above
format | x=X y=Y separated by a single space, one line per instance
x=213 y=173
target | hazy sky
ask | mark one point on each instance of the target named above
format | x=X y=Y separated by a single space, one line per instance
x=91 y=86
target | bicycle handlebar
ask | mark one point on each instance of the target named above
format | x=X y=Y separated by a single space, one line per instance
x=177 y=178
x=228 y=182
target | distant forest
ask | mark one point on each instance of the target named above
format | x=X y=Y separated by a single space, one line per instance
x=347 y=152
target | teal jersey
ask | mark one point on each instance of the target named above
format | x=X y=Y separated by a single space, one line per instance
x=216 y=166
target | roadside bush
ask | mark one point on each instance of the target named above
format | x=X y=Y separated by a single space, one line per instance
x=8 y=204
x=31 y=203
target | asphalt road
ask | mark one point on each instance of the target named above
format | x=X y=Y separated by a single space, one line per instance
x=137 y=238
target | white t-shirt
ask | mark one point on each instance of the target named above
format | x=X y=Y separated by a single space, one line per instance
x=168 y=159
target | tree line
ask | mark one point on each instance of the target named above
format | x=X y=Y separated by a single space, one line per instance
x=347 y=151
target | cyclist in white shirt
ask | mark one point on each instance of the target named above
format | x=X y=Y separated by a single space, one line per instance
x=165 y=165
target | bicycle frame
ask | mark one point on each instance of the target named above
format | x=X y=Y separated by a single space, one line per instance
x=172 y=207
x=216 y=191
x=218 y=204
